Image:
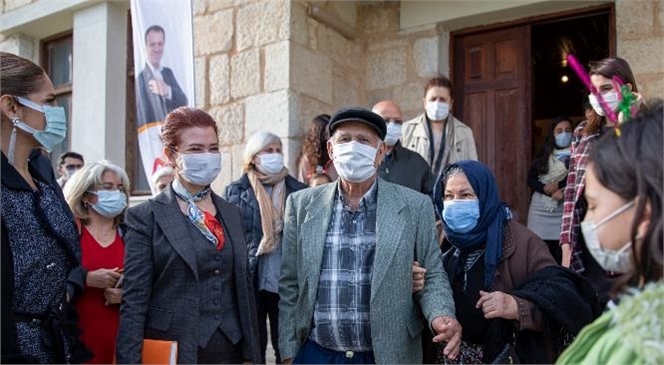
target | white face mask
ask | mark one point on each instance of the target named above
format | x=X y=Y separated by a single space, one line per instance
x=610 y=98
x=393 y=133
x=270 y=163
x=354 y=161
x=610 y=260
x=437 y=111
x=200 y=168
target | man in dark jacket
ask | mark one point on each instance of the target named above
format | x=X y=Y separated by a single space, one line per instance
x=400 y=165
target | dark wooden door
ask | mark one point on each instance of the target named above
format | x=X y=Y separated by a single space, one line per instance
x=491 y=73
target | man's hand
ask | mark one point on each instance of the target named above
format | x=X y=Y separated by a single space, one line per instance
x=159 y=87
x=498 y=305
x=418 y=277
x=288 y=361
x=113 y=295
x=103 y=278
x=448 y=330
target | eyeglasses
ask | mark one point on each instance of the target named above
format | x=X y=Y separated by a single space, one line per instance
x=73 y=166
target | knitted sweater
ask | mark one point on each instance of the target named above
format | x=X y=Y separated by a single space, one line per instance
x=631 y=332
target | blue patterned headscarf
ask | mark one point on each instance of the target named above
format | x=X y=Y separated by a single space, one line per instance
x=494 y=215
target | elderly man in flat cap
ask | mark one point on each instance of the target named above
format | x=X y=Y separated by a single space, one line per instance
x=345 y=287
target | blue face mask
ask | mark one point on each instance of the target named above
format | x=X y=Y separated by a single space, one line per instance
x=563 y=139
x=56 y=124
x=110 y=203
x=461 y=215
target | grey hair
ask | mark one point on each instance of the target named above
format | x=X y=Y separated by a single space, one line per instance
x=455 y=170
x=90 y=177
x=255 y=144
x=163 y=171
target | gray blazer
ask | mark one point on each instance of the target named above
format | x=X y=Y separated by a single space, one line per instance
x=161 y=295
x=405 y=230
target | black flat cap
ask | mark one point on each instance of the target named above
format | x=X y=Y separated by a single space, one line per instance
x=360 y=115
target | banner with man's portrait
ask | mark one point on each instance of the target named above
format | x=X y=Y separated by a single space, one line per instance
x=164 y=70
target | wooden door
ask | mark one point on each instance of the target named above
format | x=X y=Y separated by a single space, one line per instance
x=491 y=72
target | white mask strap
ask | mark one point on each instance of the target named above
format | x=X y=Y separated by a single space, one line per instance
x=614 y=214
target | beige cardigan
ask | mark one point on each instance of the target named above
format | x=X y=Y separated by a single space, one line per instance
x=459 y=141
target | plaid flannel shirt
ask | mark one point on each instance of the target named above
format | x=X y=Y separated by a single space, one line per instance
x=341 y=319
x=573 y=210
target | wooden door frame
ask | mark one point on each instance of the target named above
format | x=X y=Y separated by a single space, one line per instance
x=532 y=20
x=527 y=82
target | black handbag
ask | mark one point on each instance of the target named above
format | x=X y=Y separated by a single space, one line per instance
x=507 y=355
x=507 y=335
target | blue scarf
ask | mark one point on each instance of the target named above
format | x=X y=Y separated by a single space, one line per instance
x=494 y=215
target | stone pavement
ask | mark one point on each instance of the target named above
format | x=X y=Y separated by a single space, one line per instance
x=269 y=353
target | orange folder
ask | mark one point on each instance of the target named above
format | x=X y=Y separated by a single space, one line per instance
x=159 y=352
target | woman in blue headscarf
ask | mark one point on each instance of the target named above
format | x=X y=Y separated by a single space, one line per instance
x=504 y=280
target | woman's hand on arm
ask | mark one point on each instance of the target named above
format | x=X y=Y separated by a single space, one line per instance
x=103 y=278
x=498 y=305
x=557 y=195
x=567 y=254
x=113 y=295
x=550 y=188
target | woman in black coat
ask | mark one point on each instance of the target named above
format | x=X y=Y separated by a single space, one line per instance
x=41 y=273
x=261 y=194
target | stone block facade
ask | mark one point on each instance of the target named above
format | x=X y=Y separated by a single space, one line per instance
x=398 y=62
x=640 y=36
x=268 y=65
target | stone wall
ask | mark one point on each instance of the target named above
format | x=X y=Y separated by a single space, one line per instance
x=640 y=35
x=326 y=70
x=17 y=44
x=268 y=65
x=381 y=63
x=398 y=63
x=237 y=44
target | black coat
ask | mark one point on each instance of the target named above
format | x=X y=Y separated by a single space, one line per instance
x=407 y=168
x=240 y=193
x=40 y=169
x=567 y=302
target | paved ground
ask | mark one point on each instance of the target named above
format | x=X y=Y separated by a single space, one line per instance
x=269 y=353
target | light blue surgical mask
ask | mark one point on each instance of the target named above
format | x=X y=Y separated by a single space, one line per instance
x=461 y=215
x=110 y=203
x=54 y=132
x=564 y=139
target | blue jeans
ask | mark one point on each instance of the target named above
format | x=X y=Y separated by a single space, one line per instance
x=313 y=353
